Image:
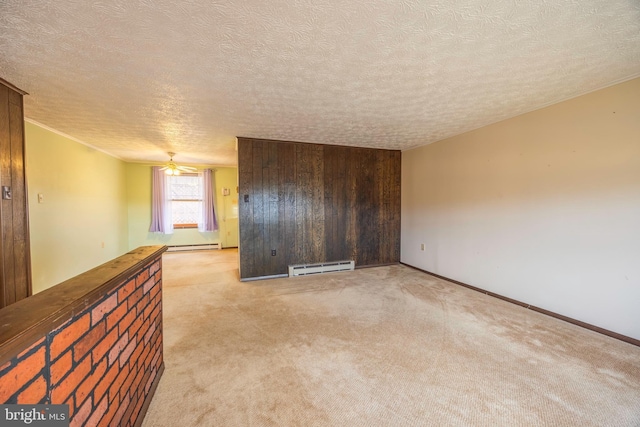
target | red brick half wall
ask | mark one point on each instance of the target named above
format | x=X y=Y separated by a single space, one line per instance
x=93 y=342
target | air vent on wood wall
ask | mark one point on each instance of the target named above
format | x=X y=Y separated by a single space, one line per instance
x=204 y=247
x=325 y=267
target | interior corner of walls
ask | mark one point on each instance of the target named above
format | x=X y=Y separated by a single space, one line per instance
x=510 y=200
x=61 y=248
x=139 y=210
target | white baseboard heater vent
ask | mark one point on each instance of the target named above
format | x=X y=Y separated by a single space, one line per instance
x=179 y=248
x=325 y=267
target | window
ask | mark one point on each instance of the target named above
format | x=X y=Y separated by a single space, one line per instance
x=182 y=201
x=185 y=194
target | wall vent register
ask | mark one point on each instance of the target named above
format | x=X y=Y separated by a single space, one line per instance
x=325 y=267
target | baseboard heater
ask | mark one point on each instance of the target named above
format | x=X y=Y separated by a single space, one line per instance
x=325 y=267
x=204 y=247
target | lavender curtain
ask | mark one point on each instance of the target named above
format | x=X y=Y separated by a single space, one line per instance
x=160 y=204
x=209 y=221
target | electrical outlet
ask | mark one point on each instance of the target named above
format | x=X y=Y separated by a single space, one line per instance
x=273 y=252
x=422 y=246
x=6 y=192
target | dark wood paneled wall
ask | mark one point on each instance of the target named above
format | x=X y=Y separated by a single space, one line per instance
x=15 y=263
x=316 y=203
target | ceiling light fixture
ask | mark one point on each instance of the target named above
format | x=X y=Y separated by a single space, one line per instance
x=171 y=168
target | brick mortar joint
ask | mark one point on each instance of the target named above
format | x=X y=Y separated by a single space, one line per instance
x=84 y=292
x=74 y=340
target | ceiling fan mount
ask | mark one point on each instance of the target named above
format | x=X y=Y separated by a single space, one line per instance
x=171 y=168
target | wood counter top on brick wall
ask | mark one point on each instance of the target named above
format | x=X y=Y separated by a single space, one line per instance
x=26 y=320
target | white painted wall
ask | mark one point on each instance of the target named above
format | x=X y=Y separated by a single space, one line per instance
x=543 y=208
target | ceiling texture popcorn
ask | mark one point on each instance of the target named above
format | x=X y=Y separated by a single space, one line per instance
x=140 y=78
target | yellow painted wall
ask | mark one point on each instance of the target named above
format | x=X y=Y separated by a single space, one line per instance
x=543 y=208
x=95 y=208
x=82 y=220
x=139 y=211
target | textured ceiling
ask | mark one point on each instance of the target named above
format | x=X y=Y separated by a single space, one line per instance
x=140 y=78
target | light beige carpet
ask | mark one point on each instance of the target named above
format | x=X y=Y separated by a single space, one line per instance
x=386 y=346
